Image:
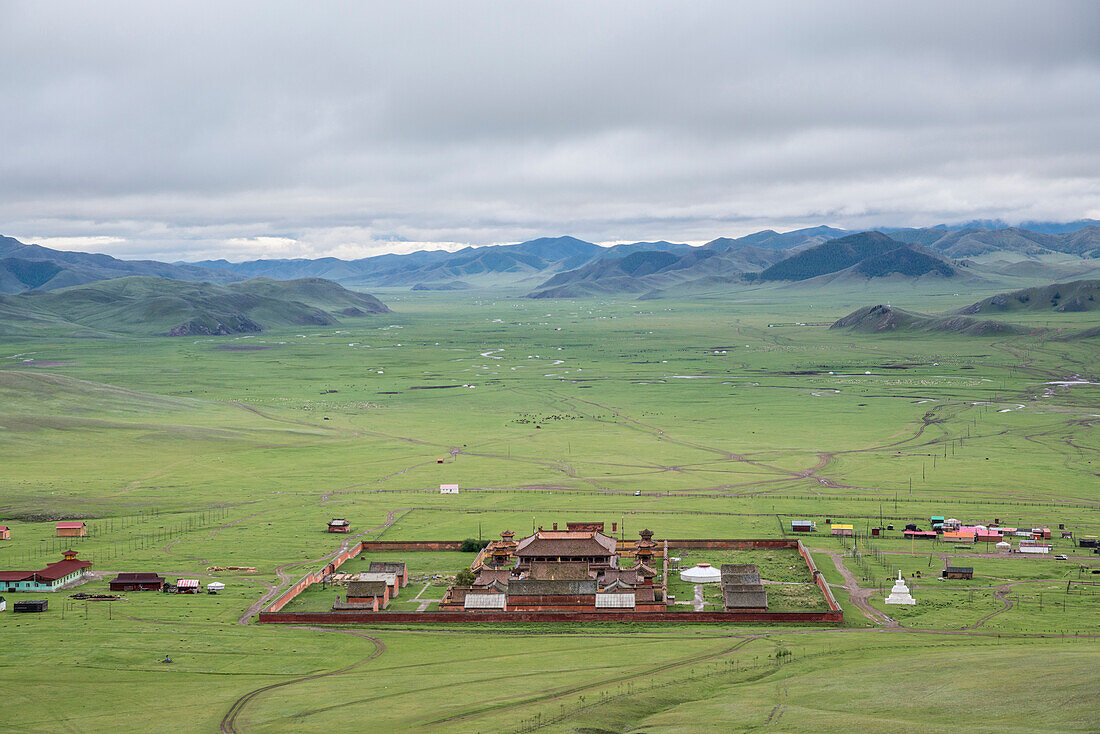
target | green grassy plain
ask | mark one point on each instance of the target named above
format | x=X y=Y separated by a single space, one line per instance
x=184 y=454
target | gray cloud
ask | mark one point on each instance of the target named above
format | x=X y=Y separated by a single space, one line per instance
x=187 y=130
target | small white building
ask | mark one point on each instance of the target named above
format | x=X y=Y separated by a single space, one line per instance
x=900 y=593
x=448 y=489
x=214 y=587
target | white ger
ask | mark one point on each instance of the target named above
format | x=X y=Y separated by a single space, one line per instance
x=703 y=573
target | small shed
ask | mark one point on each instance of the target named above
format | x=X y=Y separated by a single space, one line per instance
x=736 y=599
x=936 y=519
x=214 y=587
x=481 y=600
x=31 y=605
x=141 y=581
x=376 y=593
x=397 y=568
x=615 y=600
x=339 y=525
x=448 y=489
x=957 y=536
x=802 y=526
x=958 y=572
x=390 y=579
x=842 y=529
x=187 y=586
x=5 y=533
x=74 y=529
x=740 y=573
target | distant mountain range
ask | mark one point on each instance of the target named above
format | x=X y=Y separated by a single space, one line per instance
x=570 y=267
x=161 y=306
x=647 y=272
x=32 y=267
x=566 y=267
x=802 y=256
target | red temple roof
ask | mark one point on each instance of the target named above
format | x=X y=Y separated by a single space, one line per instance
x=566 y=543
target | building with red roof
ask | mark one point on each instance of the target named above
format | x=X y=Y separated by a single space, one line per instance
x=577 y=569
x=564 y=546
x=139 y=581
x=51 y=578
x=71 y=529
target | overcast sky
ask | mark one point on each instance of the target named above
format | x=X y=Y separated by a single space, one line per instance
x=241 y=130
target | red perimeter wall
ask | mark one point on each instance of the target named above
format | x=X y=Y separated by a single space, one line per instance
x=731 y=544
x=313 y=577
x=496 y=617
x=414 y=545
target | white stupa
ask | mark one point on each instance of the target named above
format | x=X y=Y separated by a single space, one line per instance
x=703 y=573
x=900 y=593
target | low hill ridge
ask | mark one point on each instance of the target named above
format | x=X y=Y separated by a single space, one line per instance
x=1079 y=295
x=161 y=306
x=884 y=318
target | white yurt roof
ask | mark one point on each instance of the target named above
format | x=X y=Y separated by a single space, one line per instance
x=1004 y=545
x=702 y=573
x=215 y=586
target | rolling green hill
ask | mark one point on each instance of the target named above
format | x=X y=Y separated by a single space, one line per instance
x=880 y=318
x=160 y=306
x=1080 y=295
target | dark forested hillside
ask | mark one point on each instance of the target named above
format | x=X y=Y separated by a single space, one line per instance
x=871 y=254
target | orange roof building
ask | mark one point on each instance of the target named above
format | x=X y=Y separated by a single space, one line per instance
x=75 y=529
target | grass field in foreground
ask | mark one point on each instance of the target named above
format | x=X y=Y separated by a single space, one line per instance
x=182 y=455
